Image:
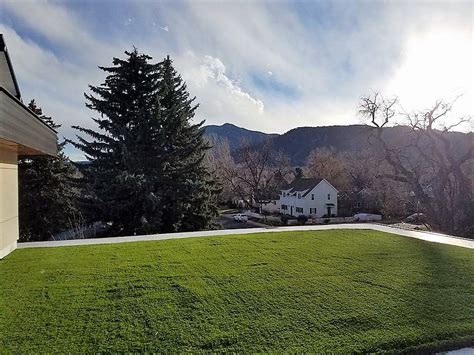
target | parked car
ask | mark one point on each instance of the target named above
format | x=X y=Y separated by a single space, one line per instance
x=241 y=217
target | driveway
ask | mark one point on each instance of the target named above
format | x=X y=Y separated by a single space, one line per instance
x=227 y=222
x=227 y=219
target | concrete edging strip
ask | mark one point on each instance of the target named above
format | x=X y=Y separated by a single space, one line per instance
x=426 y=236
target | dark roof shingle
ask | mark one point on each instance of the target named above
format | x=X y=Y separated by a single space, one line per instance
x=302 y=184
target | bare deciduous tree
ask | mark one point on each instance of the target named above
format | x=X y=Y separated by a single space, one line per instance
x=328 y=164
x=261 y=171
x=428 y=160
x=368 y=190
x=222 y=166
x=254 y=176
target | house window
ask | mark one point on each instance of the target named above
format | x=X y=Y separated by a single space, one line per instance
x=358 y=204
x=299 y=210
x=284 y=207
x=312 y=197
x=329 y=196
x=299 y=195
x=312 y=210
x=284 y=194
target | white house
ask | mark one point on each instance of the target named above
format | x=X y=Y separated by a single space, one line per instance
x=309 y=197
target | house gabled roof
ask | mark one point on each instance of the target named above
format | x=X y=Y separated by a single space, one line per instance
x=7 y=75
x=304 y=185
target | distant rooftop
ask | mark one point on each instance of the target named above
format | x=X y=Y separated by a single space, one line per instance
x=302 y=184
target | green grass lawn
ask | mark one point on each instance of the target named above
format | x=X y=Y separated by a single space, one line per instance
x=335 y=290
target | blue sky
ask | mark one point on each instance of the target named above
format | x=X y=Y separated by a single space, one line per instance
x=268 y=66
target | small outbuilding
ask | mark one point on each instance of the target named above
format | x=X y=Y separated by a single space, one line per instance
x=21 y=133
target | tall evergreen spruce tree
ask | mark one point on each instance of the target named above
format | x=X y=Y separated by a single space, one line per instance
x=134 y=158
x=191 y=193
x=47 y=197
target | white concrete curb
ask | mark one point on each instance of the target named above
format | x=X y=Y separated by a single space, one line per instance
x=427 y=236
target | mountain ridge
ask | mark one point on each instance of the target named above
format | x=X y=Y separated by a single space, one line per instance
x=298 y=142
x=235 y=134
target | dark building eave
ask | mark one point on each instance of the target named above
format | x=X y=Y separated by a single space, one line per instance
x=26 y=108
x=3 y=48
x=21 y=127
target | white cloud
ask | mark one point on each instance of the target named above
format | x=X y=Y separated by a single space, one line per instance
x=215 y=70
x=63 y=29
x=57 y=85
x=327 y=62
x=57 y=24
x=206 y=77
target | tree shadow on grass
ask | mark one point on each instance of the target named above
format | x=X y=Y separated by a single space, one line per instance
x=438 y=299
x=420 y=294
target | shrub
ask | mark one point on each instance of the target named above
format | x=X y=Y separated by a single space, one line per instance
x=284 y=219
x=230 y=204
x=273 y=222
x=327 y=220
x=302 y=219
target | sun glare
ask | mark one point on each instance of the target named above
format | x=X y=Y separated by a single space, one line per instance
x=436 y=65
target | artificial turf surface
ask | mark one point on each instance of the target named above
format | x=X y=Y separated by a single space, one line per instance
x=338 y=290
